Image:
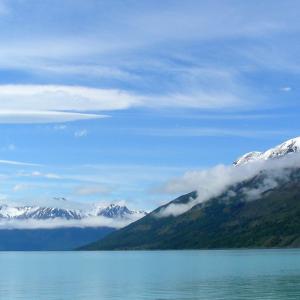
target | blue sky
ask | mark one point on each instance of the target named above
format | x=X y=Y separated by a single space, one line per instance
x=107 y=100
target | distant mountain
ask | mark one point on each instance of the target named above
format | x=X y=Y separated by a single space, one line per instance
x=44 y=213
x=262 y=211
x=54 y=239
x=53 y=228
x=37 y=213
x=290 y=146
x=115 y=211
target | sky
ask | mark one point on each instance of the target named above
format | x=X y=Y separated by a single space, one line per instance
x=108 y=100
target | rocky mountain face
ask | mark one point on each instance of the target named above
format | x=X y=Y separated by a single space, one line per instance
x=262 y=211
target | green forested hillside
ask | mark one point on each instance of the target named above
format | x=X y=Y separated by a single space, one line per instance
x=271 y=220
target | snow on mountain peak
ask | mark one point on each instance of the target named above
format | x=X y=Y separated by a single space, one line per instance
x=248 y=157
x=290 y=146
x=112 y=211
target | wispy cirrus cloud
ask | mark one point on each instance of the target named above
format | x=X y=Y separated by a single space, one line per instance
x=54 y=104
x=208 y=132
x=40 y=174
x=15 y=116
x=169 y=78
x=60 y=103
x=63 y=98
x=18 y=163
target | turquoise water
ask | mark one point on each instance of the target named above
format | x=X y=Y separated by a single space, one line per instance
x=238 y=274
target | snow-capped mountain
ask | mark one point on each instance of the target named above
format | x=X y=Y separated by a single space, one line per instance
x=290 y=146
x=112 y=211
x=38 y=213
x=115 y=211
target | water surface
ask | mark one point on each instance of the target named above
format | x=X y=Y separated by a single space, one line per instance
x=224 y=274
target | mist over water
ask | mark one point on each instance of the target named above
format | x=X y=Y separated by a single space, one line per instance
x=184 y=275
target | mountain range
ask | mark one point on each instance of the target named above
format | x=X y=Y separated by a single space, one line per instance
x=24 y=227
x=8 y=212
x=259 y=208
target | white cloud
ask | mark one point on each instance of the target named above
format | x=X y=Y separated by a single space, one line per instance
x=212 y=182
x=39 y=174
x=61 y=103
x=63 y=98
x=18 y=163
x=94 y=70
x=151 y=25
x=98 y=221
x=88 y=221
x=40 y=116
x=99 y=50
x=195 y=99
x=81 y=133
x=206 y=131
x=207 y=182
x=58 y=103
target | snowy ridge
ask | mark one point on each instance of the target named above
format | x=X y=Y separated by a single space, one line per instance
x=290 y=146
x=112 y=211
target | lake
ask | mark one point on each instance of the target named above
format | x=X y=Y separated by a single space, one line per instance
x=220 y=274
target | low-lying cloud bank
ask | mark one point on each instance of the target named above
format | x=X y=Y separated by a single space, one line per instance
x=215 y=181
x=55 y=223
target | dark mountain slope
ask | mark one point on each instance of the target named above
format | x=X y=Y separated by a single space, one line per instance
x=49 y=239
x=228 y=221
